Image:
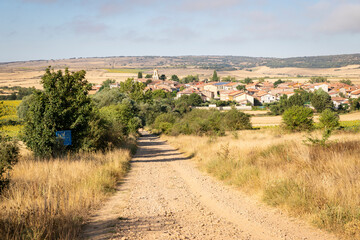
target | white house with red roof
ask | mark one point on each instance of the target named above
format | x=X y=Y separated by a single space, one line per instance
x=265 y=97
x=339 y=101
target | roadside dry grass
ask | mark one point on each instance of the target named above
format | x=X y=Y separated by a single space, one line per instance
x=260 y=121
x=51 y=199
x=321 y=185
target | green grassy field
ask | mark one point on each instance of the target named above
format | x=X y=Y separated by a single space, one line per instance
x=11 y=130
x=126 y=70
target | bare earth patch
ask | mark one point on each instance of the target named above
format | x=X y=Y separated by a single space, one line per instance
x=166 y=197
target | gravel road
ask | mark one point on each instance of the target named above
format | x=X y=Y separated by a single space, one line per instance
x=166 y=197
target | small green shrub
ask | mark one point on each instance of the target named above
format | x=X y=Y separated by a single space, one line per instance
x=9 y=152
x=164 y=122
x=329 y=119
x=298 y=118
x=236 y=120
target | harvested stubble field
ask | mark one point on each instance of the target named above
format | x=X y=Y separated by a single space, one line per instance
x=51 y=199
x=318 y=184
x=28 y=74
x=260 y=121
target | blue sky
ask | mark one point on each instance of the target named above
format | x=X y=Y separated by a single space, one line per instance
x=54 y=29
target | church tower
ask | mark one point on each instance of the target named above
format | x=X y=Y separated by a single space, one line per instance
x=155 y=75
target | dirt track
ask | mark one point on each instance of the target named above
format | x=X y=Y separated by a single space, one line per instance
x=166 y=197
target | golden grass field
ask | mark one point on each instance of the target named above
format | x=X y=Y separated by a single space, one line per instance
x=320 y=185
x=51 y=199
x=260 y=121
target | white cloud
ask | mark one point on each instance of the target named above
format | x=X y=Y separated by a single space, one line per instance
x=343 y=18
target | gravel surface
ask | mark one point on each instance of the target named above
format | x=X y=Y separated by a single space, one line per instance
x=166 y=197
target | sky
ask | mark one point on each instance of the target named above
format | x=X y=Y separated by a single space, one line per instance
x=56 y=29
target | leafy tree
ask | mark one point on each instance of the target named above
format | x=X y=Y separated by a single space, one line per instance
x=108 y=97
x=190 y=78
x=347 y=81
x=195 y=100
x=23 y=107
x=298 y=118
x=23 y=92
x=2 y=109
x=64 y=104
x=148 y=76
x=159 y=93
x=278 y=82
x=321 y=100
x=318 y=80
x=122 y=117
x=182 y=104
x=215 y=77
x=295 y=100
x=175 y=78
x=140 y=75
x=237 y=120
x=228 y=79
x=135 y=90
x=241 y=87
x=107 y=83
x=306 y=96
x=354 y=104
x=9 y=154
x=279 y=107
x=329 y=119
x=162 y=77
x=164 y=122
x=248 y=80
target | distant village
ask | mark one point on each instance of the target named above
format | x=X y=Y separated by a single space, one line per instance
x=264 y=92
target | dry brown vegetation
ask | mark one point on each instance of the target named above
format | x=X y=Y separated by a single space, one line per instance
x=51 y=199
x=259 y=121
x=320 y=184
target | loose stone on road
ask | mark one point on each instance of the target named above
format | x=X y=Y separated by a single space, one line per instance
x=166 y=197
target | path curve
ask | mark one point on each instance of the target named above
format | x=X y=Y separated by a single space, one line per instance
x=166 y=197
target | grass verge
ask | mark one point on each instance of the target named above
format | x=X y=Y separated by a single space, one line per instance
x=319 y=184
x=51 y=199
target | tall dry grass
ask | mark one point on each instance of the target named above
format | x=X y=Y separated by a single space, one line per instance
x=51 y=199
x=321 y=184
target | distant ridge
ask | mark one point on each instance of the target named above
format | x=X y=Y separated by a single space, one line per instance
x=221 y=63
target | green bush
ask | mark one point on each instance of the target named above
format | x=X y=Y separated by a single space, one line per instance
x=122 y=117
x=321 y=100
x=200 y=122
x=23 y=108
x=298 y=118
x=329 y=119
x=236 y=120
x=108 y=97
x=164 y=122
x=9 y=152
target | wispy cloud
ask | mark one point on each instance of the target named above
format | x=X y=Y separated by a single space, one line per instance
x=204 y=5
x=86 y=26
x=344 y=18
x=40 y=1
x=113 y=7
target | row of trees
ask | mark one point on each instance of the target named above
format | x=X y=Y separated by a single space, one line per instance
x=319 y=99
x=298 y=118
